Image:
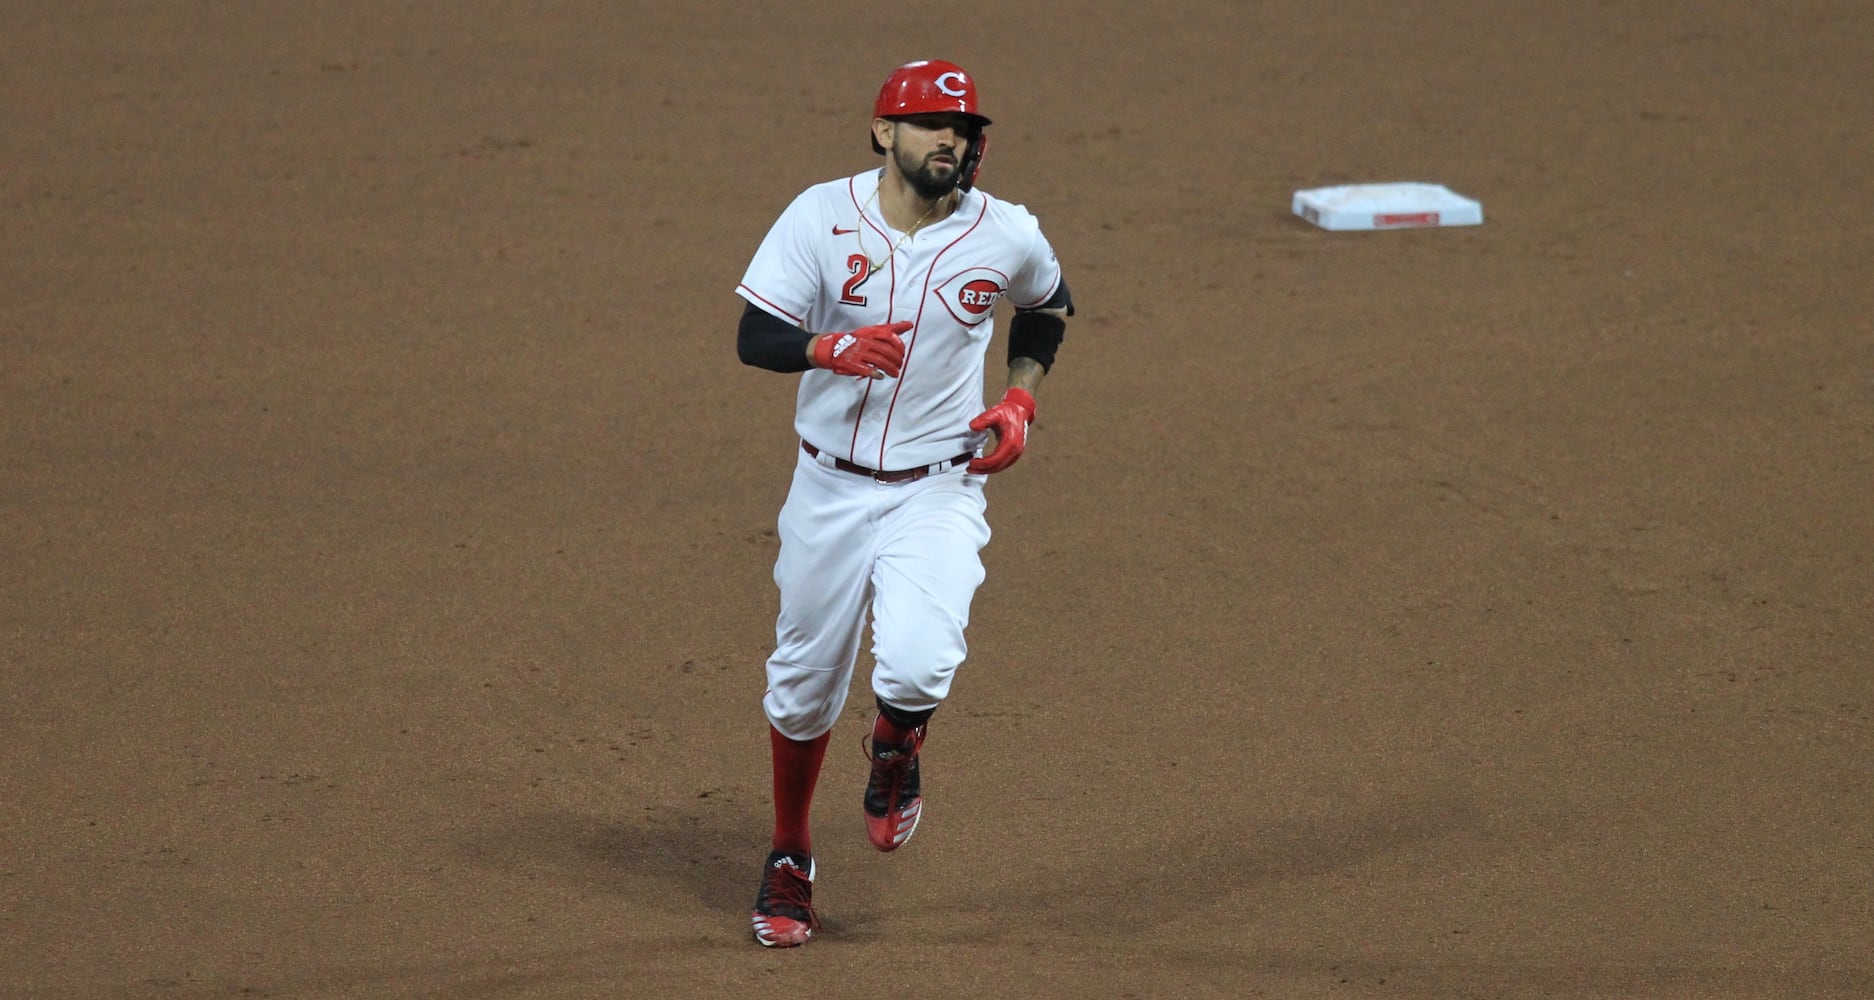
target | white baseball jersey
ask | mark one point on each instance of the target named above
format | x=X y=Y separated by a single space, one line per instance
x=815 y=270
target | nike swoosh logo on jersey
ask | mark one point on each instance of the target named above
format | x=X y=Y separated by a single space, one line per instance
x=843 y=232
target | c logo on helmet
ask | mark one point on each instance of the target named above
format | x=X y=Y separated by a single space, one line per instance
x=962 y=84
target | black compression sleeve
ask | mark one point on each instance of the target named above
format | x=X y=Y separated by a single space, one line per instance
x=767 y=341
x=1035 y=335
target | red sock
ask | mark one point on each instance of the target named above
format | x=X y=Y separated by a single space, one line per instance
x=796 y=771
x=890 y=733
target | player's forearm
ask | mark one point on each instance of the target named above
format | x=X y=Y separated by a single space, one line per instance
x=1025 y=374
x=764 y=341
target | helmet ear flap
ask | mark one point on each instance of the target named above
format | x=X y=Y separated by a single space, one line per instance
x=972 y=161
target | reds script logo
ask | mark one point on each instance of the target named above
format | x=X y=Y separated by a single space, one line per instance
x=972 y=295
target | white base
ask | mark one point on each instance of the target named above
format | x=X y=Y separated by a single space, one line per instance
x=1387 y=206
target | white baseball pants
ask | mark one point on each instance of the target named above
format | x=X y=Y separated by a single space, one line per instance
x=911 y=551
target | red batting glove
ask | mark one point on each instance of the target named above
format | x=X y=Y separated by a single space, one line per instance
x=1009 y=419
x=870 y=351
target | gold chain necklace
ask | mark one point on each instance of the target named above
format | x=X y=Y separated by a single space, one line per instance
x=893 y=252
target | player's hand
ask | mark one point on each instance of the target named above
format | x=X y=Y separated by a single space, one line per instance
x=870 y=351
x=1009 y=419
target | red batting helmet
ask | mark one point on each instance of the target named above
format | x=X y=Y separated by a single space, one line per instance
x=929 y=86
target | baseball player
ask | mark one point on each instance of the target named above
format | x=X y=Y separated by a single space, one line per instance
x=881 y=288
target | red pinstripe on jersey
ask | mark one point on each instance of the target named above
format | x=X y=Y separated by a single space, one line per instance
x=771 y=306
x=923 y=302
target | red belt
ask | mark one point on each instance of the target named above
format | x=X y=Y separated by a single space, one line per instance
x=901 y=476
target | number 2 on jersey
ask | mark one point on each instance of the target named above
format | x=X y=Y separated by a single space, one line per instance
x=861 y=269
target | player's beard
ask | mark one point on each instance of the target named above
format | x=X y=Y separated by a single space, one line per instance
x=924 y=178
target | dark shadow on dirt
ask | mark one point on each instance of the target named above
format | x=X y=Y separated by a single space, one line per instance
x=706 y=857
x=1197 y=869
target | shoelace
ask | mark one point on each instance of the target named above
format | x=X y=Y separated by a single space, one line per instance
x=787 y=893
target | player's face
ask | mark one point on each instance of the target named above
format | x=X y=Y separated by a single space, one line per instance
x=928 y=150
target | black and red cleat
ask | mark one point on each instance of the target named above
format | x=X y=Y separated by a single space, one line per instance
x=784 y=904
x=893 y=799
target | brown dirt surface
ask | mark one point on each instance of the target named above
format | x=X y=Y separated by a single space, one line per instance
x=386 y=523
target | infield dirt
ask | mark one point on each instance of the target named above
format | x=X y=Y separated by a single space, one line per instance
x=386 y=523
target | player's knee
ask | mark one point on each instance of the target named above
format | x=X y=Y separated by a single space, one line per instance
x=913 y=655
x=802 y=704
x=915 y=677
x=800 y=721
x=915 y=693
